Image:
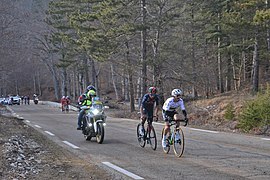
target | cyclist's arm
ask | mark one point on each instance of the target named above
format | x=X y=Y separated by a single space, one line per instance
x=157 y=106
x=156 y=110
x=184 y=113
x=144 y=99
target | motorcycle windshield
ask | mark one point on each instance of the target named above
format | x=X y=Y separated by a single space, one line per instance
x=97 y=106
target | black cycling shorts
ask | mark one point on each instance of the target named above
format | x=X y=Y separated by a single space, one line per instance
x=168 y=115
x=149 y=114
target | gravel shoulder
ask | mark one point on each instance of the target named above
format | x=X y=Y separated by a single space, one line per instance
x=27 y=154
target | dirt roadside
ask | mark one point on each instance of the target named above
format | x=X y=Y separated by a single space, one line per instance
x=27 y=154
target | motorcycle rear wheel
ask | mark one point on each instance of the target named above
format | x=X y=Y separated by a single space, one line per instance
x=100 y=133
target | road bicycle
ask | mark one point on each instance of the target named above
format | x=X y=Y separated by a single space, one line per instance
x=148 y=136
x=175 y=139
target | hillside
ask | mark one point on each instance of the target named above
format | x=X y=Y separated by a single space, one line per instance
x=209 y=113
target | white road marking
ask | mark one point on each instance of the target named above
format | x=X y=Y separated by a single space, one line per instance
x=49 y=133
x=267 y=139
x=72 y=145
x=27 y=121
x=204 y=130
x=38 y=126
x=121 y=170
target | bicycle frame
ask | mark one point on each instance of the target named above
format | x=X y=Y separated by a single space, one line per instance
x=149 y=135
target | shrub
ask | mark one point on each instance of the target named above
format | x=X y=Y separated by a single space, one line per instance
x=229 y=112
x=256 y=113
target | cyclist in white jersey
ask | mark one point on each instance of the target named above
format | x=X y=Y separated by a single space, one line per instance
x=169 y=110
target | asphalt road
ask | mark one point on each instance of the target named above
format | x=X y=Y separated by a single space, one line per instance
x=208 y=154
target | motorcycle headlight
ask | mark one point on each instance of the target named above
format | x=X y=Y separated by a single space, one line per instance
x=95 y=111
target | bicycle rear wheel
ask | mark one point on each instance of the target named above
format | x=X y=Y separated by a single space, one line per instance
x=178 y=143
x=140 y=137
x=152 y=137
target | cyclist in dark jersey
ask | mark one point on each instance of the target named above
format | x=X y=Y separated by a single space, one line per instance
x=149 y=101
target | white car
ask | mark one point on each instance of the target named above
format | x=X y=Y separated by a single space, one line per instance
x=2 y=100
x=15 y=99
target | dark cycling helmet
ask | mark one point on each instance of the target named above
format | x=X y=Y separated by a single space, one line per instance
x=152 y=90
x=90 y=87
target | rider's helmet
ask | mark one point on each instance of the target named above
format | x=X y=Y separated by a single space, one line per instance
x=177 y=92
x=91 y=93
x=67 y=97
x=152 y=90
x=90 y=87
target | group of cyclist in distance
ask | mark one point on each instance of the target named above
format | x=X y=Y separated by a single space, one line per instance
x=65 y=102
x=149 y=108
x=150 y=104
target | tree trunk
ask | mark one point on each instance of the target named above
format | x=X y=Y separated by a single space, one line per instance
x=86 y=72
x=139 y=89
x=143 y=47
x=255 y=67
x=235 y=76
x=114 y=83
x=130 y=79
x=55 y=84
x=39 y=83
x=268 y=43
x=64 y=81
x=125 y=87
x=229 y=74
x=35 y=84
x=220 y=74
x=194 y=74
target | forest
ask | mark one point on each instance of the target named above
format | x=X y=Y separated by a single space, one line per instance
x=122 y=47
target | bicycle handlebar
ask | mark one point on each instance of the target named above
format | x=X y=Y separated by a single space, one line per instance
x=173 y=122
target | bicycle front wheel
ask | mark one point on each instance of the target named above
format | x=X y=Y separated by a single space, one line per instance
x=140 y=137
x=152 y=137
x=167 y=148
x=178 y=142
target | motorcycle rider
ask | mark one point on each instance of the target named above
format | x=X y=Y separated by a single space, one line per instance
x=85 y=100
x=35 y=98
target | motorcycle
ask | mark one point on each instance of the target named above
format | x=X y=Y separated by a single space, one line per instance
x=36 y=100
x=94 y=121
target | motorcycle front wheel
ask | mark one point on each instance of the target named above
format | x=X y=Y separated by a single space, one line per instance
x=100 y=133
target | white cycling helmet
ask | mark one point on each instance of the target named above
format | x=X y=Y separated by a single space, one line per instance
x=176 y=92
